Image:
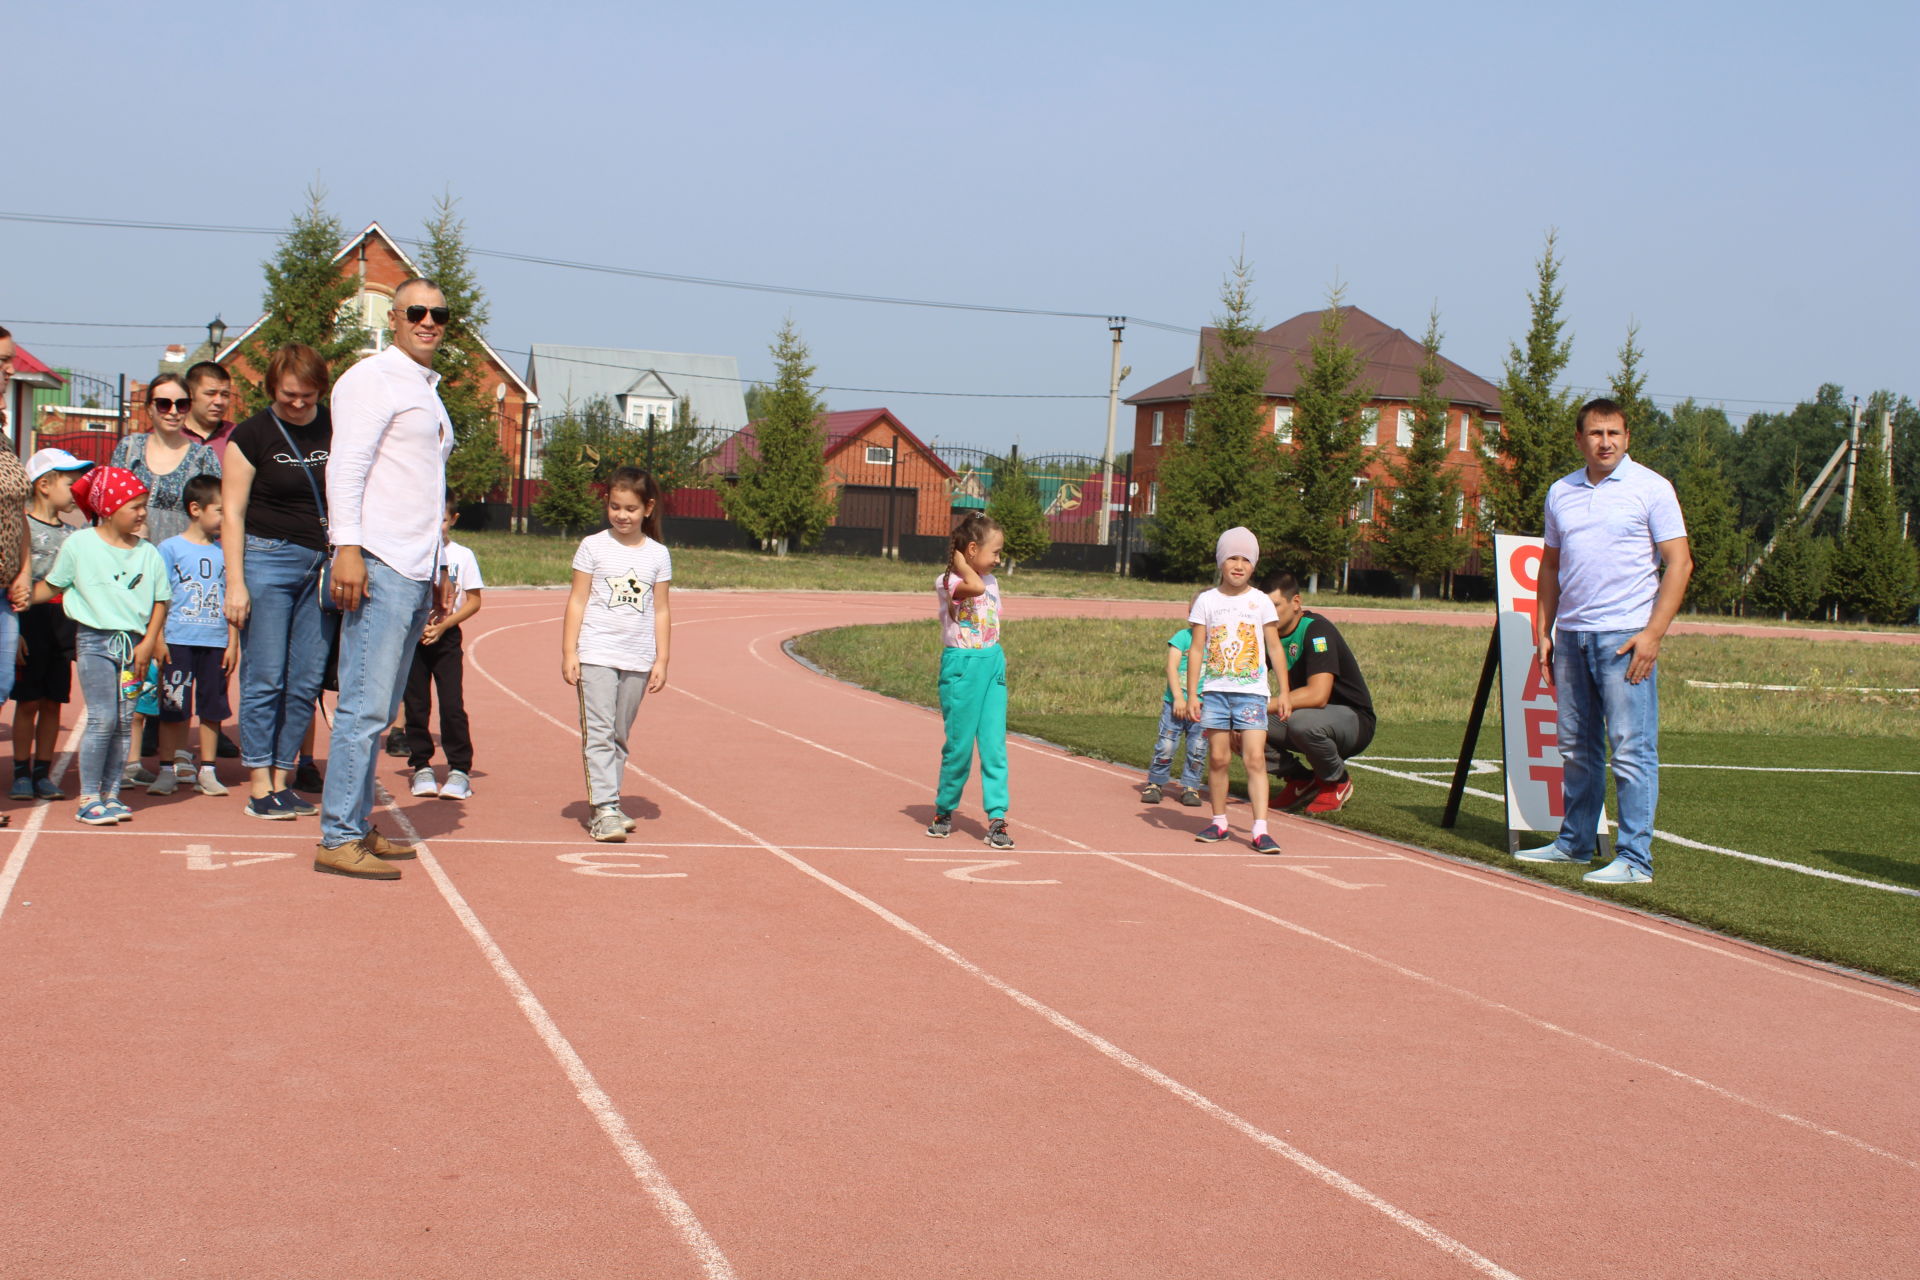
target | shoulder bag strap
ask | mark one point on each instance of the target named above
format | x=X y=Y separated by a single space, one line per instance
x=319 y=501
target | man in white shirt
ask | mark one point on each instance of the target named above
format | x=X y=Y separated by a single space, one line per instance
x=1604 y=607
x=386 y=489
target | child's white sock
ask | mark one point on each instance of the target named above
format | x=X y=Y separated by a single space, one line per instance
x=1220 y=821
x=1259 y=828
x=183 y=765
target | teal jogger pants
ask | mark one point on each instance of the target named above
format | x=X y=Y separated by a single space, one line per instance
x=973 y=702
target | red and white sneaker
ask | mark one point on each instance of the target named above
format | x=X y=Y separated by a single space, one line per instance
x=1330 y=797
x=1294 y=793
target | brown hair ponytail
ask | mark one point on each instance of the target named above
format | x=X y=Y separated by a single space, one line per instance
x=973 y=527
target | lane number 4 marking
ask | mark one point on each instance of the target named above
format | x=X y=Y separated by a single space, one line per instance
x=970 y=866
x=590 y=864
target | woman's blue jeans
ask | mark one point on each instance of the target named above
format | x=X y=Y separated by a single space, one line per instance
x=1599 y=710
x=283 y=651
x=99 y=658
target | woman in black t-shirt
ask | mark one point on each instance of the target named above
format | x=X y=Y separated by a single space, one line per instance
x=275 y=541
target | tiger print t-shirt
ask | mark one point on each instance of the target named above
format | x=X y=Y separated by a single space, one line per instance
x=1235 y=660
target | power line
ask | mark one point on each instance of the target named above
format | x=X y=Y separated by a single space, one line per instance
x=132 y=224
x=876 y=391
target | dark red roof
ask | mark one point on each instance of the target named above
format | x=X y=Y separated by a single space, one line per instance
x=24 y=361
x=842 y=428
x=1392 y=363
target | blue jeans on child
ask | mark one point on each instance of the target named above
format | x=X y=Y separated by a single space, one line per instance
x=283 y=654
x=99 y=657
x=1167 y=743
x=1599 y=709
x=376 y=653
x=9 y=646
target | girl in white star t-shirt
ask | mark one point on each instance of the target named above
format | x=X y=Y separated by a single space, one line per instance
x=613 y=644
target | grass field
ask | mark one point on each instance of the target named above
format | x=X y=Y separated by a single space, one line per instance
x=1090 y=685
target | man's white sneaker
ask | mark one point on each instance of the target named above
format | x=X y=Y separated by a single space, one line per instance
x=424 y=783
x=458 y=786
x=1619 y=871
x=1552 y=853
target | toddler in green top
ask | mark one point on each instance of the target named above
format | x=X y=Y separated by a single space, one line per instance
x=115 y=588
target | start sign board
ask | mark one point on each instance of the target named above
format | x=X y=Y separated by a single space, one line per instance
x=1530 y=719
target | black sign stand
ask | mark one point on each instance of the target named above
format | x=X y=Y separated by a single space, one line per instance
x=1489 y=672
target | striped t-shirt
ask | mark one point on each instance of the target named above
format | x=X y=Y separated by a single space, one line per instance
x=617 y=628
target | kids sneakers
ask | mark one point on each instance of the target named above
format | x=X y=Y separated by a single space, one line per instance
x=424 y=783
x=460 y=787
x=1151 y=795
x=609 y=825
x=942 y=825
x=998 y=837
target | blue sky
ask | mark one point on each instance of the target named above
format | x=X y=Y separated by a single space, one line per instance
x=1739 y=179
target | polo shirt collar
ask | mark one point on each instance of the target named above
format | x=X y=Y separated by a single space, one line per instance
x=1618 y=473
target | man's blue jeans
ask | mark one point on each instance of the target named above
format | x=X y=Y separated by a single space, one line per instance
x=1599 y=710
x=283 y=654
x=1168 y=743
x=376 y=652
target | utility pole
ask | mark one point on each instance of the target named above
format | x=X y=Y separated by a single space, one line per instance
x=1886 y=442
x=1119 y=325
x=1853 y=454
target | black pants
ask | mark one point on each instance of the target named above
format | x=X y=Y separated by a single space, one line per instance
x=437 y=668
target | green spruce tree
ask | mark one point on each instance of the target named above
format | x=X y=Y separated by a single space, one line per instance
x=1718 y=543
x=307 y=299
x=478 y=465
x=1226 y=473
x=782 y=497
x=1421 y=541
x=1329 y=428
x=1531 y=445
x=567 y=501
x=1628 y=386
x=1791 y=578
x=1874 y=571
x=1014 y=504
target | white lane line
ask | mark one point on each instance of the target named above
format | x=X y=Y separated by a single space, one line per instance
x=1489 y=766
x=36 y=821
x=1327 y=1175
x=1671 y=838
x=672 y=1206
x=1487 y=1002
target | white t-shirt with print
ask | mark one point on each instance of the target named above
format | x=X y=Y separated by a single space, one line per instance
x=463 y=570
x=617 y=628
x=1235 y=660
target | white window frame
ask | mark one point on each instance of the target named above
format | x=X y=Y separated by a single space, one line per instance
x=1466 y=426
x=1153 y=497
x=1371 y=418
x=884 y=460
x=1186 y=429
x=1403 y=429
x=1159 y=426
x=1283 y=423
x=1362 y=493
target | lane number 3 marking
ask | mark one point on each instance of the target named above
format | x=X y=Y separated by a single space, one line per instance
x=970 y=868
x=590 y=864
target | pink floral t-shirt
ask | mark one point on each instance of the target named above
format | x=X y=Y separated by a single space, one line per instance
x=973 y=623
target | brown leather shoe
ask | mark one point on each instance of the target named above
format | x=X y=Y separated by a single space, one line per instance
x=352 y=859
x=381 y=847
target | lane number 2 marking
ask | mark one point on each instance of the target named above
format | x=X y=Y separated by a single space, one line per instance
x=971 y=866
x=590 y=864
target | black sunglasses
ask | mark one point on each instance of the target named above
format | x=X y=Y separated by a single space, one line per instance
x=416 y=314
x=165 y=405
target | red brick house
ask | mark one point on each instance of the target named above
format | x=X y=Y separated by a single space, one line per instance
x=380 y=265
x=862 y=461
x=1392 y=364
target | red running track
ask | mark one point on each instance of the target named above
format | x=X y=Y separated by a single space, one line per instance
x=782 y=1034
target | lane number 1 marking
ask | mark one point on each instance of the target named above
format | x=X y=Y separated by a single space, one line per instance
x=970 y=866
x=204 y=857
x=589 y=864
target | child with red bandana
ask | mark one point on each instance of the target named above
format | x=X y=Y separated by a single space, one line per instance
x=115 y=588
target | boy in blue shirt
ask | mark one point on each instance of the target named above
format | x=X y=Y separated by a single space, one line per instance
x=202 y=645
x=1176 y=724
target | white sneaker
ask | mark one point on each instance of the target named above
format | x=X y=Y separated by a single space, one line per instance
x=207 y=784
x=163 y=783
x=424 y=783
x=459 y=786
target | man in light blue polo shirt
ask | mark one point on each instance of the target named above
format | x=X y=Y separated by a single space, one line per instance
x=1610 y=526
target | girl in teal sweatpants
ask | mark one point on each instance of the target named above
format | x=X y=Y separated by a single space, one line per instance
x=973 y=679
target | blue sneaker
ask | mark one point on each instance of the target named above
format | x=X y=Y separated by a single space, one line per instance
x=297 y=807
x=119 y=811
x=96 y=814
x=269 y=808
x=45 y=788
x=1264 y=843
x=1552 y=853
x=1619 y=871
x=1212 y=833
x=22 y=787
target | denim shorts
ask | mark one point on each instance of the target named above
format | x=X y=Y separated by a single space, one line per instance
x=1233 y=710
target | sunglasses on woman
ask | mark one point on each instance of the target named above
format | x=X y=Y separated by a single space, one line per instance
x=415 y=314
x=165 y=405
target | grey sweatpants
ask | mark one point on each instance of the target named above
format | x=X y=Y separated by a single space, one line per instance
x=1326 y=736
x=609 y=700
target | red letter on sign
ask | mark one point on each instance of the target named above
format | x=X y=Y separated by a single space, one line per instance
x=1550 y=775
x=1526 y=567
x=1535 y=688
x=1542 y=730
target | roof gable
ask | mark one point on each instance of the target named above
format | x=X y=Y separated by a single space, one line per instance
x=1391 y=363
x=842 y=429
